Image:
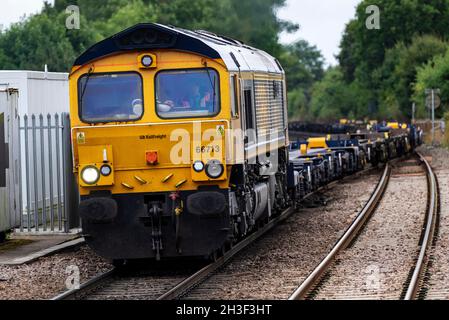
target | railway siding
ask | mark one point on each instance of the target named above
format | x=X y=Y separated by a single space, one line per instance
x=437 y=286
x=377 y=264
x=276 y=264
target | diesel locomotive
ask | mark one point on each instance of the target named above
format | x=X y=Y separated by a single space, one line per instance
x=181 y=148
x=180 y=141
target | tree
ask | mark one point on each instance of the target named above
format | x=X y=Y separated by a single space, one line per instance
x=434 y=74
x=126 y=16
x=91 y=10
x=333 y=98
x=396 y=76
x=383 y=61
x=303 y=66
x=43 y=38
x=299 y=104
x=254 y=22
x=348 y=52
x=31 y=44
x=363 y=50
x=330 y=96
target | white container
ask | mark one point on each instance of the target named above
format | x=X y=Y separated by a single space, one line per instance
x=39 y=92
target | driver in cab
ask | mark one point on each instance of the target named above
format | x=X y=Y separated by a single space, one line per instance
x=194 y=100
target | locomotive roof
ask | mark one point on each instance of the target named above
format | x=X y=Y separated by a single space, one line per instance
x=146 y=36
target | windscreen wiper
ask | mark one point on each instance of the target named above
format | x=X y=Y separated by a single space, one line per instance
x=89 y=73
x=213 y=83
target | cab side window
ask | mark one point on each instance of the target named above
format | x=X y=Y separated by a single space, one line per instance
x=248 y=100
x=234 y=97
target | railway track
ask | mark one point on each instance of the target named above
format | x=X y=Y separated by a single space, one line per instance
x=159 y=286
x=417 y=282
x=414 y=284
x=436 y=286
x=164 y=284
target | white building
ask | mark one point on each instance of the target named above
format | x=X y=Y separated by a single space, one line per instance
x=39 y=92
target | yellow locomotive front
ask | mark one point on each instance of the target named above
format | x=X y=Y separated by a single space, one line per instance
x=151 y=110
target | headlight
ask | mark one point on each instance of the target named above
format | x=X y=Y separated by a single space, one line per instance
x=106 y=170
x=198 y=166
x=214 y=169
x=90 y=175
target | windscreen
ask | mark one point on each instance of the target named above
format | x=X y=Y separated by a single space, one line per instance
x=110 y=97
x=187 y=93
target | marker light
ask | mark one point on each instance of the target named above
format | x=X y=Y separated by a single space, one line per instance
x=152 y=157
x=147 y=61
x=106 y=170
x=198 y=166
x=214 y=169
x=90 y=175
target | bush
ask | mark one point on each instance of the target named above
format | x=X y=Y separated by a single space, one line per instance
x=434 y=74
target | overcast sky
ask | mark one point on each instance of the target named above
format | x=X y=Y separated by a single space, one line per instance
x=13 y=10
x=322 y=21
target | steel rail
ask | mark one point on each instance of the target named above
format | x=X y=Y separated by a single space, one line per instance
x=205 y=272
x=86 y=286
x=201 y=275
x=192 y=280
x=301 y=292
x=432 y=213
x=208 y=270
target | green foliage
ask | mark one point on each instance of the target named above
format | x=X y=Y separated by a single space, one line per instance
x=363 y=50
x=298 y=104
x=253 y=22
x=396 y=76
x=303 y=66
x=333 y=98
x=201 y=14
x=90 y=9
x=126 y=16
x=30 y=44
x=256 y=23
x=381 y=71
x=330 y=96
x=384 y=62
x=434 y=74
x=43 y=38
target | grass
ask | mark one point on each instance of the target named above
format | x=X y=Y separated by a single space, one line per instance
x=14 y=243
